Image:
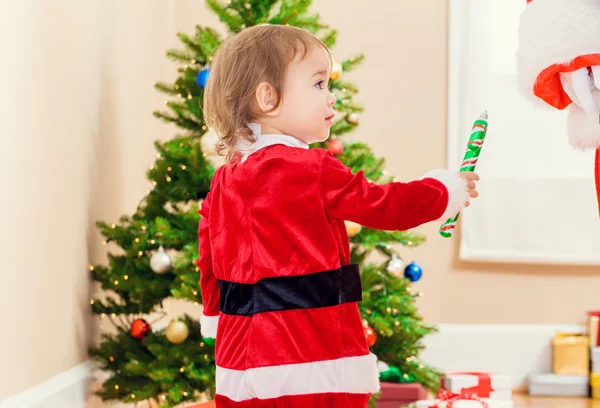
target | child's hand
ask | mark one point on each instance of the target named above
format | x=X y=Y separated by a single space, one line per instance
x=470 y=177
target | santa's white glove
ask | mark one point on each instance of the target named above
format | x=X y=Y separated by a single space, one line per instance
x=579 y=86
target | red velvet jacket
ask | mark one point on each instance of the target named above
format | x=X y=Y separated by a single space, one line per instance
x=278 y=292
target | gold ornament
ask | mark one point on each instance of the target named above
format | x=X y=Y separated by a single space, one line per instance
x=352 y=118
x=177 y=331
x=352 y=228
x=336 y=71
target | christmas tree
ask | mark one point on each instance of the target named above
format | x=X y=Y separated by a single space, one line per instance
x=157 y=257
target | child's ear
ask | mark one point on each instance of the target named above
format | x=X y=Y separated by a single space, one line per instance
x=266 y=99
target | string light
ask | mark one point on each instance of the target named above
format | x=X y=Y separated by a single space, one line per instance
x=204 y=154
x=369 y=311
x=116 y=387
x=114 y=315
x=140 y=253
x=183 y=167
x=166 y=102
x=168 y=179
x=111 y=358
x=92 y=302
x=388 y=310
x=343 y=89
x=169 y=168
x=152 y=242
x=180 y=144
x=181 y=370
x=397 y=323
x=104 y=243
x=185 y=394
x=133 y=396
x=193 y=61
x=206 y=356
x=179 y=95
x=103 y=315
x=158 y=155
x=137 y=240
x=204 y=127
x=196 y=304
x=143 y=228
x=195 y=293
x=421 y=366
x=91 y=267
x=189 y=96
x=125 y=277
x=405 y=376
x=210 y=58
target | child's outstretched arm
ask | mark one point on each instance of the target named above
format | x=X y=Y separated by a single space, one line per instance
x=440 y=194
x=208 y=282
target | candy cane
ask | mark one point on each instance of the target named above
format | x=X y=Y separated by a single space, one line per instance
x=474 y=146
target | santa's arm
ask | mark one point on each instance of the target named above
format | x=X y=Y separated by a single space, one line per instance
x=559 y=42
x=440 y=194
x=208 y=282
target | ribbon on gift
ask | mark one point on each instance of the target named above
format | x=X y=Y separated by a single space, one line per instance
x=451 y=397
x=483 y=387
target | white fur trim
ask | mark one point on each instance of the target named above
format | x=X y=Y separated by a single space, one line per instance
x=553 y=32
x=346 y=375
x=208 y=326
x=457 y=190
x=265 y=140
x=584 y=130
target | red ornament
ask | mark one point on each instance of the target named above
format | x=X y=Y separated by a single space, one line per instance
x=140 y=328
x=370 y=336
x=336 y=147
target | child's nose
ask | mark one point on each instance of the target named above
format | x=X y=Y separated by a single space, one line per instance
x=331 y=99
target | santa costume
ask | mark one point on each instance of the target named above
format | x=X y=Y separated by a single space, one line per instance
x=558 y=38
x=279 y=293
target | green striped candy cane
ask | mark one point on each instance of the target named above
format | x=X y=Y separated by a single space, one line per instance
x=474 y=146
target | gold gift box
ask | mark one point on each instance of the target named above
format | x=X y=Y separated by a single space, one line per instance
x=570 y=354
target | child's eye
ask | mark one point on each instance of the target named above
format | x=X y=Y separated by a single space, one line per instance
x=320 y=84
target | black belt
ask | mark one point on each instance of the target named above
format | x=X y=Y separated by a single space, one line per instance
x=321 y=289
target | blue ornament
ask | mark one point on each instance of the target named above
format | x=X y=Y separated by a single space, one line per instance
x=413 y=272
x=202 y=77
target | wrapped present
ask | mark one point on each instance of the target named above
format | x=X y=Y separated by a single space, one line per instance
x=485 y=385
x=595 y=355
x=394 y=395
x=546 y=384
x=570 y=354
x=447 y=399
x=593 y=326
x=595 y=385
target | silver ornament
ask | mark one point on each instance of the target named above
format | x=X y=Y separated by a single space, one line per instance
x=160 y=262
x=396 y=265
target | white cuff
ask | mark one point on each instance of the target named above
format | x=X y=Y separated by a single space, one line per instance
x=208 y=326
x=457 y=190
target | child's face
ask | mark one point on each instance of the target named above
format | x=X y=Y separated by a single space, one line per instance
x=306 y=109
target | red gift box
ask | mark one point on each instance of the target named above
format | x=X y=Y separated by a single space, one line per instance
x=395 y=395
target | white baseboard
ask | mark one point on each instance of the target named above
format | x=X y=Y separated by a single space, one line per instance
x=65 y=390
x=516 y=350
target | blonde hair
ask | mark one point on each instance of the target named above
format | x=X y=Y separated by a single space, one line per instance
x=254 y=55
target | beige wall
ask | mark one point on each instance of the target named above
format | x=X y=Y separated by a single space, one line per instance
x=77 y=133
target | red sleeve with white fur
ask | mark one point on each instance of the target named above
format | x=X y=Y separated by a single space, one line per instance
x=208 y=283
x=556 y=36
x=395 y=206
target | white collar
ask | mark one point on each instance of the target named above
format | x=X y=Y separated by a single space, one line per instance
x=246 y=148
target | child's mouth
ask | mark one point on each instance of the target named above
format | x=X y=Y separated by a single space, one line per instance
x=329 y=119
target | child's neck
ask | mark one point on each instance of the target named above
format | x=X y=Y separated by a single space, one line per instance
x=270 y=129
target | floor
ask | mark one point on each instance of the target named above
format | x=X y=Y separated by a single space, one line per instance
x=525 y=401
x=520 y=401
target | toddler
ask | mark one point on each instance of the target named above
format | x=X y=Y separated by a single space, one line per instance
x=279 y=293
